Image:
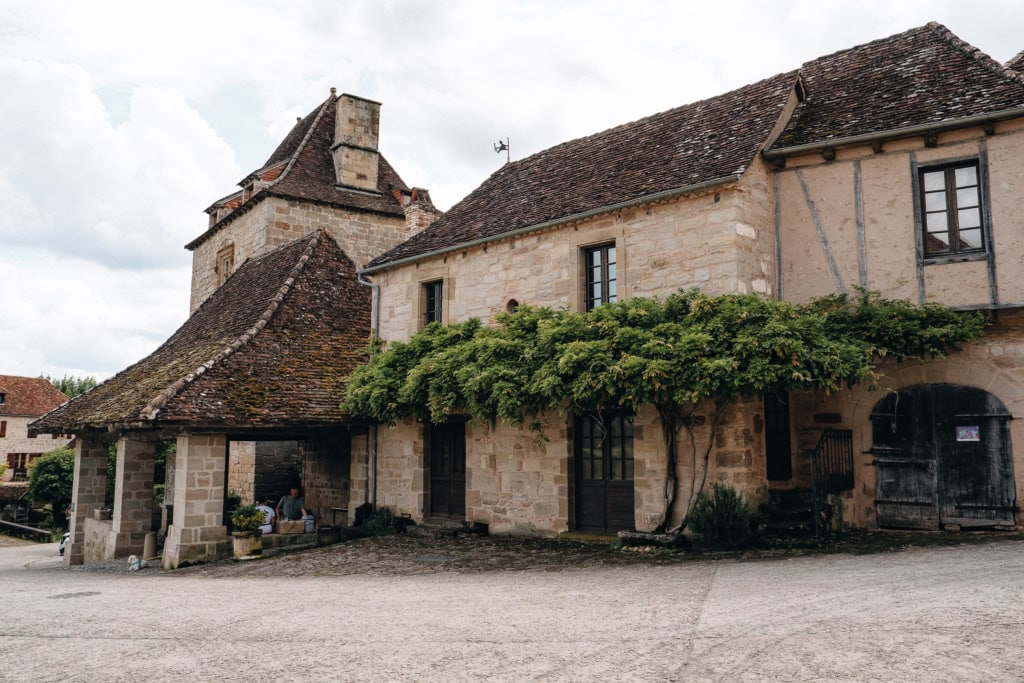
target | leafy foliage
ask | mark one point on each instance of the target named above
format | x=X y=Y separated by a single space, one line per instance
x=678 y=353
x=71 y=386
x=247 y=518
x=722 y=520
x=380 y=522
x=51 y=479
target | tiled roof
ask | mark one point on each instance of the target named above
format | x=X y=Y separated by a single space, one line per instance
x=1017 y=63
x=923 y=76
x=273 y=346
x=683 y=147
x=28 y=396
x=309 y=173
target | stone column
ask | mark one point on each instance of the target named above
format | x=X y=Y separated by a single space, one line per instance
x=133 y=498
x=197 y=532
x=359 y=475
x=89 y=490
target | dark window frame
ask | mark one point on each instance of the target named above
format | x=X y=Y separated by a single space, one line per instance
x=433 y=302
x=607 y=444
x=600 y=279
x=951 y=209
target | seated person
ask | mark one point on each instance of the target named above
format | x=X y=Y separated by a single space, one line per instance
x=269 y=516
x=292 y=506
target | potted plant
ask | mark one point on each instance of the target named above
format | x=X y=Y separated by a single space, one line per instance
x=246 y=536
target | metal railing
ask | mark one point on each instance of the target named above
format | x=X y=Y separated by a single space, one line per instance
x=831 y=470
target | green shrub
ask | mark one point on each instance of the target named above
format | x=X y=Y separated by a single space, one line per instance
x=721 y=520
x=51 y=478
x=247 y=518
x=158 y=494
x=380 y=522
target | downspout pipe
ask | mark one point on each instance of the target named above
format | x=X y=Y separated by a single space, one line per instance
x=371 y=488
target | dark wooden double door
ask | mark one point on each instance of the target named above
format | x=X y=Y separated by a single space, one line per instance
x=604 y=474
x=942 y=456
x=448 y=470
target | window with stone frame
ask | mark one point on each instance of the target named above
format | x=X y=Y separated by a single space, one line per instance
x=3 y=428
x=433 y=301
x=600 y=280
x=225 y=263
x=952 y=205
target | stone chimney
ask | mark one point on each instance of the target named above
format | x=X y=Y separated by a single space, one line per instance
x=356 y=127
x=419 y=212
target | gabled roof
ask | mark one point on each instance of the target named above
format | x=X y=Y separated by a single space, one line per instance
x=1016 y=63
x=28 y=396
x=710 y=140
x=302 y=167
x=273 y=346
x=923 y=76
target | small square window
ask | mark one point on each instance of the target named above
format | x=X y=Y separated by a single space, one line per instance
x=951 y=209
x=600 y=280
x=433 y=302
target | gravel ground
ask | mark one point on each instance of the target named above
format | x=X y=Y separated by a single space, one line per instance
x=415 y=609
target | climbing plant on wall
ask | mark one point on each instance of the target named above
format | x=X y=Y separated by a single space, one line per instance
x=681 y=353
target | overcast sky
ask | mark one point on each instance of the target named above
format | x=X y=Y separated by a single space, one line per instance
x=121 y=121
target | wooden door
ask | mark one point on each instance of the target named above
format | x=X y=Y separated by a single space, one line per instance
x=975 y=460
x=448 y=470
x=943 y=456
x=604 y=474
x=778 y=451
x=905 y=465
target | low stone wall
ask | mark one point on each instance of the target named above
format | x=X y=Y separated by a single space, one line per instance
x=97 y=534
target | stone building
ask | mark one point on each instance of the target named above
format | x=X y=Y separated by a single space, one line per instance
x=250 y=385
x=22 y=400
x=896 y=166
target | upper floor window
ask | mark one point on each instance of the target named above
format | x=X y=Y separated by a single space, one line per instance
x=599 y=263
x=225 y=263
x=3 y=397
x=951 y=209
x=3 y=428
x=432 y=308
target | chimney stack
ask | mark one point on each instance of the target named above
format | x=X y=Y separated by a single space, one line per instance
x=356 y=127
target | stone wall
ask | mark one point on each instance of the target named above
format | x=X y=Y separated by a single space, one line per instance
x=719 y=241
x=242 y=470
x=16 y=440
x=995 y=364
x=275 y=221
x=278 y=468
x=326 y=477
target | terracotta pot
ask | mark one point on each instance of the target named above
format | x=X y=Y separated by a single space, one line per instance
x=247 y=543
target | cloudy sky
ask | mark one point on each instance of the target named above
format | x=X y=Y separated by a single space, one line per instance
x=121 y=121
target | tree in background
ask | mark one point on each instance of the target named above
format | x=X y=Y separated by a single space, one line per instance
x=71 y=386
x=51 y=480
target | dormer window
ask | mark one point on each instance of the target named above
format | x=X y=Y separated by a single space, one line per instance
x=3 y=397
x=225 y=263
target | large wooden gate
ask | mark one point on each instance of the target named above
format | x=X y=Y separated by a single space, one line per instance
x=604 y=474
x=448 y=470
x=942 y=456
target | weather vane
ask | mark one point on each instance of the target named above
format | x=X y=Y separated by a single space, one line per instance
x=500 y=147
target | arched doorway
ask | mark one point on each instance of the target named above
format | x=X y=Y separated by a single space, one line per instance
x=942 y=456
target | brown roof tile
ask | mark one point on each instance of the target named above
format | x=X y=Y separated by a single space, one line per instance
x=1016 y=63
x=696 y=143
x=274 y=346
x=28 y=396
x=309 y=173
x=923 y=76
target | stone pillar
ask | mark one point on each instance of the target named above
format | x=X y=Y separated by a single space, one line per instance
x=89 y=490
x=197 y=532
x=359 y=475
x=133 y=498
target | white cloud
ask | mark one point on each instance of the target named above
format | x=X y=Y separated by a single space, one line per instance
x=122 y=120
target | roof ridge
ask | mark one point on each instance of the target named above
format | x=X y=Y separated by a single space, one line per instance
x=305 y=141
x=977 y=54
x=152 y=409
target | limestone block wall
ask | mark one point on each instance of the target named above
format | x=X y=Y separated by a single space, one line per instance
x=719 y=241
x=97 y=536
x=16 y=439
x=359 y=472
x=995 y=364
x=865 y=232
x=133 y=497
x=197 y=532
x=401 y=469
x=275 y=221
x=242 y=470
x=326 y=477
x=90 y=487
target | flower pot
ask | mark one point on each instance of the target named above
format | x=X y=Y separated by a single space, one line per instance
x=247 y=543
